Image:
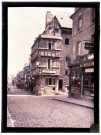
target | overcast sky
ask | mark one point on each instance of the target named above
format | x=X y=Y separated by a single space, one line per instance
x=24 y=24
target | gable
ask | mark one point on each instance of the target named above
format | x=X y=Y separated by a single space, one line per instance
x=53 y=28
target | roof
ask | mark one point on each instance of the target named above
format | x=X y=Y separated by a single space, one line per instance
x=64 y=19
x=75 y=13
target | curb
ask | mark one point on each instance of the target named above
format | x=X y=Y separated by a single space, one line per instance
x=74 y=103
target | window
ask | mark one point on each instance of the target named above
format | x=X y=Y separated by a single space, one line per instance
x=53 y=81
x=55 y=62
x=80 y=23
x=92 y=38
x=66 y=72
x=78 y=49
x=49 y=46
x=48 y=63
x=49 y=81
x=46 y=81
x=67 y=60
x=66 y=41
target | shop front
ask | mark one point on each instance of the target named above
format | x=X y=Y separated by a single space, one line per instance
x=82 y=79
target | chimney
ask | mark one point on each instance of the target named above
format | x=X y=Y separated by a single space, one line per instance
x=49 y=17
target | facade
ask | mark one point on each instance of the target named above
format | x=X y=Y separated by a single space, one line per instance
x=50 y=55
x=20 y=80
x=82 y=64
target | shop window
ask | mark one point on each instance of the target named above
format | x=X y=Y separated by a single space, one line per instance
x=66 y=41
x=80 y=23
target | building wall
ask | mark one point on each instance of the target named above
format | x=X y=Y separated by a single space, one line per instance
x=66 y=51
x=88 y=29
x=57 y=64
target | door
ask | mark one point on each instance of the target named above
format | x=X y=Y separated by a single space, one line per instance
x=60 y=84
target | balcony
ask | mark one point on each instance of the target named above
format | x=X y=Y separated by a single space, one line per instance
x=50 y=53
x=85 y=57
x=45 y=71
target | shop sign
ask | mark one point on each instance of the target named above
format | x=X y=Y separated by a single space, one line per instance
x=87 y=64
x=89 y=70
x=89 y=46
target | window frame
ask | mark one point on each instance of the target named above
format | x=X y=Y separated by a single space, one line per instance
x=50 y=81
x=66 y=41
x=66 y=72
x=80 y=19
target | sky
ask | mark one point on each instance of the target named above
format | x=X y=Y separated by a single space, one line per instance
x=24 y=24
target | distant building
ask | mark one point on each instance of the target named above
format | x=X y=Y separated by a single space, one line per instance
x=51 y=54
x=82 y=65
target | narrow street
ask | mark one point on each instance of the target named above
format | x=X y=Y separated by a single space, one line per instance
x=28 y=110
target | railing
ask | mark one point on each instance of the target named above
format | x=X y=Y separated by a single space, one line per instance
x=45 y=71
x=50 y=53
x=85 y=57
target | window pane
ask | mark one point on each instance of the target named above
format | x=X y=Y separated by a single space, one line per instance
x=79 y=23
x=66 y=41
x=50 y=81
x=53 y=81
x=46 y=81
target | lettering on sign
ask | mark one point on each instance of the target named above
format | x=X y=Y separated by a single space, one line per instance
x=89 y=46
x=87 y=64
x=89 y=70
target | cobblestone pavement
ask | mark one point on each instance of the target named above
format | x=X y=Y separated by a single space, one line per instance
x=27 y=110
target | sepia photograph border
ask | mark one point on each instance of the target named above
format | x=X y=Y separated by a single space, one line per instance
x=5 y=5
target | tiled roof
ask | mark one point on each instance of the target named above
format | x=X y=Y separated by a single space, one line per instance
x=64 y=19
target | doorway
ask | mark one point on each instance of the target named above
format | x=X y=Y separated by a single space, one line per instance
x=60 y=84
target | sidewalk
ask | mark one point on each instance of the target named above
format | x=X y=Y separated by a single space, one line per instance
x=9 y=123
x=80 y=102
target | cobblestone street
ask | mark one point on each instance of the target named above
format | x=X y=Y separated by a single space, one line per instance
x=28 y=110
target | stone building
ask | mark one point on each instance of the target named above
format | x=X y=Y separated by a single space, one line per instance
x=82 y=64
x=51 y=53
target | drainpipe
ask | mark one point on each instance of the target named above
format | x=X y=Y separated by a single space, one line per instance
x=81 y=85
